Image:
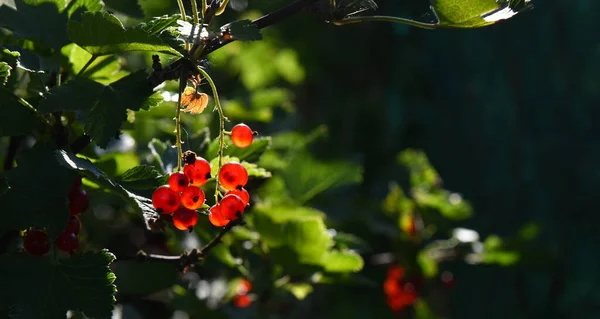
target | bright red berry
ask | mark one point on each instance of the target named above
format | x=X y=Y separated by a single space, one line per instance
x=242 y=193
x=216 y=218
x=185 y=219
x=241 y=135
x=242 y=301
x=233 y=175
x=192 y=197
x=199 y=172
x=36 y=242
x=74 y=225
x=165 y=200
x=78 y=201
x=178 y=181
x=232 y=207
x=67 y=242
x=244 y=287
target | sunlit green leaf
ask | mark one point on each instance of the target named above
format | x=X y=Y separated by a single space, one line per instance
x=102 y=33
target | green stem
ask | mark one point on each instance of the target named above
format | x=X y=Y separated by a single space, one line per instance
x=221 y=7
x=195 y=12
x=204 y=6
x=183 y=17
x=182 y=84
x=221 y=126
x=413 y=23
x=88 y=63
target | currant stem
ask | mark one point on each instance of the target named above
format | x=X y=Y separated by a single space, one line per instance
x=195 y=12
x=221 y=126
x=87 y=64
x=204 y=6
x=184 y=18
x=351 y=20
x=182 y=84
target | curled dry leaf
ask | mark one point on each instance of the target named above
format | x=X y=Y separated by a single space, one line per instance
x=195 y=102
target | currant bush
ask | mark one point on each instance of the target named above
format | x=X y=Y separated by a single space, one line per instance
x=231 y=207
x=198 y=173
x=216 y=218
x=165 y=200
x=178 y=181
x=242 y=193
x=185 y=219
x=192 y=197
x=67 y=242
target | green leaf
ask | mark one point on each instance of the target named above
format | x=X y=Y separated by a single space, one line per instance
x=250 y=153
x=157 y=25
x=342 y=261
x=24 y=21
x=164 y=154
x=252 y=168
x=142 y=177
x=43 y=289
x=299 y=290
x=140 y=204
x=16 y=116
x=4 y=72
x=243 y=30
x=475 y=13
x=104 y=69
x=307 y=177
x=105 y=107
x=102 y=33
x=49 y=207
x=130 y=8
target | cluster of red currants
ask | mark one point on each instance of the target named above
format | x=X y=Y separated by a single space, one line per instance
x=242 y=298
x=183 y=195
x=36 y=241
x=400 y=292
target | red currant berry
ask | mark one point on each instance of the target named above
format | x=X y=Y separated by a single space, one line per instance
x=242 y=301
x=185 y=219
x=241 y=135
x=192 y=197
x=78 y=202
x=216 y=218
x=36 y=242
x=199 y=172
x=242 y=193
x=67 y=242
x=233 y=175
x=74 y=225
x=244 y=287
x=165 y=200
x=178 y=181
x=232 y=207
x=76 y=185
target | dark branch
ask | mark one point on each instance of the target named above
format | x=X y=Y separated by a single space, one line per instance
x=187 y=259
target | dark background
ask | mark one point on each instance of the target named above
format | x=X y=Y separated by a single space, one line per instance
x=508 y=116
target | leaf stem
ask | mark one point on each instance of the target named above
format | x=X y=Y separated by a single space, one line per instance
x=221 y=126
x=182 y=84
x=222 y=7
x=204 y=6
x=351 y=20
x=184 y=18
x=87 y=64
x=195 y=12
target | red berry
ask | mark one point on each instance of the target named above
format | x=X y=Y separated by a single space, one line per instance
x=74 y=225
x=242 y=193
x=216 y=218
x=192 y=197
x=67 y=242
x=185 y=219
x=232 y=207
x=76 y=185
x=178 y=181
x=244 y=287
x=36 y=242
x=199 y=172
x=242 y=301
x=78 y=201
x=233 y=175
x=241 y=135
x=165 y=200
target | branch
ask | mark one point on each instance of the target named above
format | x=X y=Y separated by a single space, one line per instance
x=263 y=22
x=187 y=259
